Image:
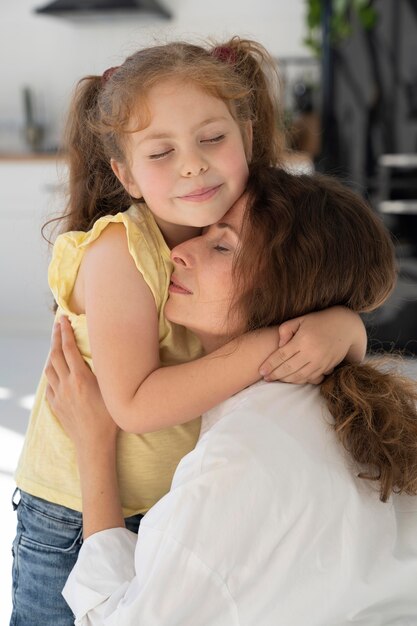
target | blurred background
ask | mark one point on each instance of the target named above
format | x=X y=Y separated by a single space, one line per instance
x=349 y=89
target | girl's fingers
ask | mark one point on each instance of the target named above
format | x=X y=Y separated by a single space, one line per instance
x=279 y=358
x=308 y=374
x=316 y=381
x=287 y=330
x=292 y=370
x=296 y=370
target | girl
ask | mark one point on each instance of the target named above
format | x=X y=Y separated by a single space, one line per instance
x=288 y=511
x=174 y=126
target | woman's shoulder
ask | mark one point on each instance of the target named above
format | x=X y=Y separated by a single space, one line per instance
x=273 y=424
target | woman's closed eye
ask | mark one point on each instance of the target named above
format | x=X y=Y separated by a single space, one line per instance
x=220 y=248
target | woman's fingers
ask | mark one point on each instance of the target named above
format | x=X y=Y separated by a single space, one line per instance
x=70 y=349
x=51 y=375
x=56 y=356
x=51 y=398
x=49 y=393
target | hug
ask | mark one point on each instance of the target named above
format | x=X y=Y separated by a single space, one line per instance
x=295 y=506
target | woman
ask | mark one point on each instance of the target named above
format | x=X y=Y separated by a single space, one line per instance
x=289 y=510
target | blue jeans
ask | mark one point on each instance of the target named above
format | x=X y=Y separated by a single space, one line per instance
x=45 y=549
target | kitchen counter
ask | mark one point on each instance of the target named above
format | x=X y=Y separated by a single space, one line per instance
x=32 y=192
x=30 y=156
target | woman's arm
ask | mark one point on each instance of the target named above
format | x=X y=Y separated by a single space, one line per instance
x=108 y=585
x=112 y=583
x=74 y=396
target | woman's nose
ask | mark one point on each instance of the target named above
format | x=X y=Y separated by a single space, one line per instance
x=180 y=255
x=177 y=260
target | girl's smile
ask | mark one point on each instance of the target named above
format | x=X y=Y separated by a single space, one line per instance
x=189 y=163
x=201 y=195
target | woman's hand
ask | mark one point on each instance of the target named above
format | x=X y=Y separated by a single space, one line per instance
x=73 y=392
x=312 y=345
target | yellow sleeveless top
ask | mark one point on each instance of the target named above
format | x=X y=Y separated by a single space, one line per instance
x=146 y=463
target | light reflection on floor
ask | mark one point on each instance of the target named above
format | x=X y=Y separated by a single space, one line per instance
x=21 y=362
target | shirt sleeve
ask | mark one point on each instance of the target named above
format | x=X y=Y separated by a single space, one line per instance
x=151 y=581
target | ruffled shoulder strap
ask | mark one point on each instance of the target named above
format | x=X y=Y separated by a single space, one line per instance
x=145 y=242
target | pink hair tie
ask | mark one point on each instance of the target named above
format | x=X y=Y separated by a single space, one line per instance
x=226 y=54
x=108 y=73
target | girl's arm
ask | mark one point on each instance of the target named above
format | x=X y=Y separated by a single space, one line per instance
x=312 y=345
x=123 y=329
x=122 y=324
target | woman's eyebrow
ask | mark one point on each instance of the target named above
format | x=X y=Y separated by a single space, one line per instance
x=229 y=226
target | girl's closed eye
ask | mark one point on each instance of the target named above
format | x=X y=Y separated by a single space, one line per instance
x=160 y=155
x=216 y=139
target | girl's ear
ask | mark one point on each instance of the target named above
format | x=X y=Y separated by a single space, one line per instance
x=121 y=170
x=248 y=139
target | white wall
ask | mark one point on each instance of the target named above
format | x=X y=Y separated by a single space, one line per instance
x=49 y=54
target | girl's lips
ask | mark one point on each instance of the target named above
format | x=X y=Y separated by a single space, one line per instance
x=176 y=287
x=200 y=195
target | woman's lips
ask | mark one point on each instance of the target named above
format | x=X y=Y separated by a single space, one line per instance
x=176 y=287
x=200 y=195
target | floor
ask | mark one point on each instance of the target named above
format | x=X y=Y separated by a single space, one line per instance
x=21 y=361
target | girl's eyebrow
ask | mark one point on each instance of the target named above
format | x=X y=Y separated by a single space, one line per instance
x=164 y=135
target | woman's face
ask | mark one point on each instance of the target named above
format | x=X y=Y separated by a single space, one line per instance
x=201 y=289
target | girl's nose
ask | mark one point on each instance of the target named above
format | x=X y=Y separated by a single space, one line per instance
x=194 y=165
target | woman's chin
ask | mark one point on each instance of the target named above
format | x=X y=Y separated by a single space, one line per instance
x=171 y=315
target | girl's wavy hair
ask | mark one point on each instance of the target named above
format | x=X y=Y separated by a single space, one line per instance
x=106 y=108
x=309 y=243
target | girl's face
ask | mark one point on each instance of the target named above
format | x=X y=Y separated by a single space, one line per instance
x=201 y=289
x=189 y=163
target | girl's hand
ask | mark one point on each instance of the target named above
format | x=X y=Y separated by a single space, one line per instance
x=311 y=346
x=73 y=392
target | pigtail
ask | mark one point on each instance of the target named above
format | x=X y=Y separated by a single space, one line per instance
x=94 y=190
x=240 y=72
x=375 y=418
x=258 y=72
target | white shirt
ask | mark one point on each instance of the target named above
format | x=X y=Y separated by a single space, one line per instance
x=266 y=524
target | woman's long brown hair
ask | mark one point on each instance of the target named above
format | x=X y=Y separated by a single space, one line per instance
x=309 y=243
